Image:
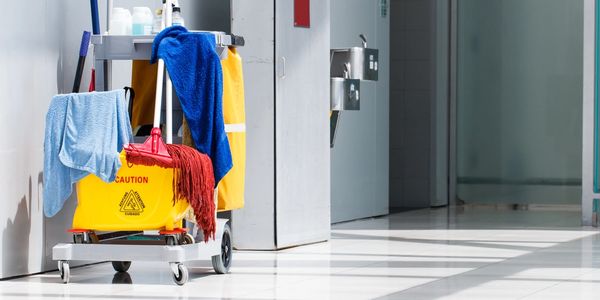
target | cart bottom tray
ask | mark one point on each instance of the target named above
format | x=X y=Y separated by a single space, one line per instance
x=218 y=250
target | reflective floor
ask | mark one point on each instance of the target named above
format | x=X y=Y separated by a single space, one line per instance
x=425 y=254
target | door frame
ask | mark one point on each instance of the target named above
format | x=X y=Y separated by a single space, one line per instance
x=590 y=104
x=452 y=124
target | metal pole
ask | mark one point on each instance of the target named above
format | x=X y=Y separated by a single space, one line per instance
x=169 y=101
x=109 y=7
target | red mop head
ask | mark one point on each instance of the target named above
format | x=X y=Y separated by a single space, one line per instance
x=193 y=179
x=153 y=152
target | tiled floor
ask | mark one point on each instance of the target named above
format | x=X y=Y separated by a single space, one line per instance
x=426 y=254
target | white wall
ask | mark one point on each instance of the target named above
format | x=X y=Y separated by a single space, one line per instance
x=31 y=73
x=360 y=158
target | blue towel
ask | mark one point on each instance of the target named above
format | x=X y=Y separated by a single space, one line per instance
x=195 y=69
x=84 y=134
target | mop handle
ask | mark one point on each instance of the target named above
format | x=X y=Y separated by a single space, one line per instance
x=169 y=101
x=83 y=50
x=166 y=19
x=95 y=17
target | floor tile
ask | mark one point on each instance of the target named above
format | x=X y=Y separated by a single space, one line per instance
x=454 y=253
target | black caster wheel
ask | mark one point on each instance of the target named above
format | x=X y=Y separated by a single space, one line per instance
x=78 y=238
x=170 y=240
x=181 y=275
x=89 y=237
x=187 y=239
x=221 y=263
x=121 y=266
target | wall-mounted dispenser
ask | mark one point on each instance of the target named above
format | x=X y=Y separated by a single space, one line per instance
x=345 y=92
x=348 y=67
x=364 y=62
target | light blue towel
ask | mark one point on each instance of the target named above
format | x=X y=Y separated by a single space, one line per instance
x=84 y=134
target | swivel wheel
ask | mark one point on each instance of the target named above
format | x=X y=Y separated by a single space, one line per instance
x=64 y=271
x=170 y=240
x=221 y=263
x=180 y=273
x=187 y=239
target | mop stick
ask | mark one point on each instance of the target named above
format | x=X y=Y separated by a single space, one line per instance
x=159 y=79
x=95 y=17
x=83 y=49
x=169 y=101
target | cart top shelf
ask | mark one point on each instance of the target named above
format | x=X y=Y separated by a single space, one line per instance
x=139 y=47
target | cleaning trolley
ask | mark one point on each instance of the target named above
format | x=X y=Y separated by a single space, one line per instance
x=135 y=218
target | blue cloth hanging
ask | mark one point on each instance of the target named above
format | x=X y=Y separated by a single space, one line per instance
x=195 y=69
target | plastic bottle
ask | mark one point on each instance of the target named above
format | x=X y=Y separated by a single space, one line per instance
x=120 y=22
x=177 y=18
x=116 y=22
x=156 y=27
x=142 y=21
x=128 y=21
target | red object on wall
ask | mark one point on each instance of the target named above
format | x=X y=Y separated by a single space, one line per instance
x=302 y=13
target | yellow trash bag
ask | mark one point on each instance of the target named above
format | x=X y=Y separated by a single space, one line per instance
x=231 y=187
x=141 y=198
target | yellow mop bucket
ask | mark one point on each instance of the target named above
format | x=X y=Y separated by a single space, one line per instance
x=141 y=198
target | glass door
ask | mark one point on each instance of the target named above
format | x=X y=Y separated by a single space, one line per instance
x=518 y=101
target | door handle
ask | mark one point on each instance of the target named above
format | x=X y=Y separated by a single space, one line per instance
x=281 y=69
